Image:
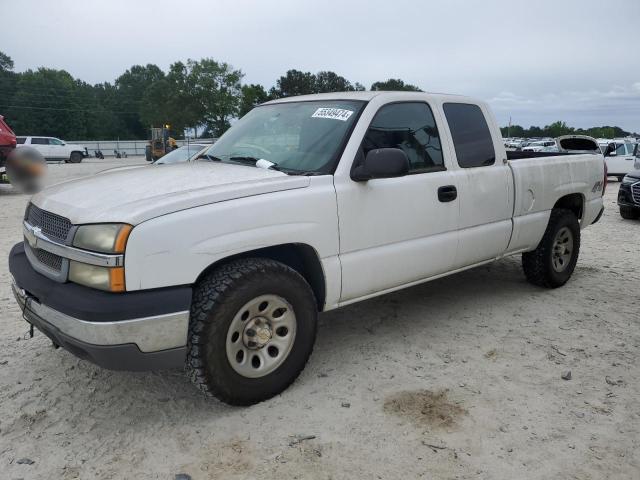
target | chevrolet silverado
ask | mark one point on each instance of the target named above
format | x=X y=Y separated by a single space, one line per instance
x=306 y=204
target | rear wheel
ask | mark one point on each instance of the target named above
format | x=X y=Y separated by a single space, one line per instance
x=629 y=213
x=252 y=329
x=552 y=263
x=76 y=157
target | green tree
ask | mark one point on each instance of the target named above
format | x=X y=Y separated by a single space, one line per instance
x=131 y=86
x=557 y=129
x=294 y=82
x=6 y=63
x=394 y=84
x=216 y=88
x=513 y=131
x=252 y=95
x=49 y=102
x=326 y=82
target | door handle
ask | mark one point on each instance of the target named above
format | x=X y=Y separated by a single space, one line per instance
x=448 y=193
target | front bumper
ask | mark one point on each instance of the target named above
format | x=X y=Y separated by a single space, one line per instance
x=141 y=330
x=625 y=198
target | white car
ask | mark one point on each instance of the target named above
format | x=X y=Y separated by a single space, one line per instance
x=55 y=150
x=622 y=160
x=304 y=205
x=541 y=146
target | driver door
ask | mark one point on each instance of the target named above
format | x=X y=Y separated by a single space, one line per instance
x=57 y=149
x=397 y=231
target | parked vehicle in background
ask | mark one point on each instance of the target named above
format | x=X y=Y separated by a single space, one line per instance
x=629 y=195
x=55 y=150
x=621 y=160
x=185 y=153
x=578 y=144
x=541 y=146
x=306 y=204
x=7 y=144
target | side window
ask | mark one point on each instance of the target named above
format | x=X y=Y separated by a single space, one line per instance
x=55 y=141
x=20 y=140
x=411 y=128
x=39 y=141
x=470 y=134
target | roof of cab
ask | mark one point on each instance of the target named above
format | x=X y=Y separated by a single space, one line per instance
x=362 y=96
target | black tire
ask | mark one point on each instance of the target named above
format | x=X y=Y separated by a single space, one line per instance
x=76 y=157
x=538 y=265
x=217 y=299
x=629 y=213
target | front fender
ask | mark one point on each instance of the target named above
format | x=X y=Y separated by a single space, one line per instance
x=175 y=249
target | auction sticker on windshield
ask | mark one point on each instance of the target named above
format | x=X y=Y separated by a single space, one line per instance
x=334 y=113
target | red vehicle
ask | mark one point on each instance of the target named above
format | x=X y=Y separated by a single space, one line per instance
x=7 y=144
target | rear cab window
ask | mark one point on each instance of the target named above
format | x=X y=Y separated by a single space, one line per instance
x=470 y=134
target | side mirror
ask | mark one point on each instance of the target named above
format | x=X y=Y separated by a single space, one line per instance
x=610 y=150
x=381 y=163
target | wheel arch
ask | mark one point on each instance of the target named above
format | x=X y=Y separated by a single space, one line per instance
x=300 y=257
x=573 y=202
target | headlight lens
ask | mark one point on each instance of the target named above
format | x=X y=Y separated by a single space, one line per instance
x=103 y=237
x=102 y=278
x=629 y=180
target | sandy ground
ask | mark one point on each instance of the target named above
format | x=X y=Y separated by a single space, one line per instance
x=458 y=378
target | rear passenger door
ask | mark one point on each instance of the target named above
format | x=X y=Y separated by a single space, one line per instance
x=485 y=184
x=42 y=145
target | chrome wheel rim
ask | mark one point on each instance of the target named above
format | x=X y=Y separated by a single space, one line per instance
x=261 y=335
x=562 y=249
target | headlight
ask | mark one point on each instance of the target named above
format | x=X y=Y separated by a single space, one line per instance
x=629 y=180
x=103 y=237
x=110 y=279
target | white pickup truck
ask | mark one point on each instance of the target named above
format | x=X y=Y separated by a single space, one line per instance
x=305 y=205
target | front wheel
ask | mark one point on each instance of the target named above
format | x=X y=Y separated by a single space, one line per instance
x=252 y=330
x=552 y=263
x=629 y=213
x=76 y=157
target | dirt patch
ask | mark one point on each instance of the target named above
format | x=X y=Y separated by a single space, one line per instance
x=425 y=408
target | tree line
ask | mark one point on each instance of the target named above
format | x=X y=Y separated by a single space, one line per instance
x=202 y=94
x=559 y=128
x=205 y=95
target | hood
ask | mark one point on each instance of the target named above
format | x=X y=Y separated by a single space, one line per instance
x=133 y=195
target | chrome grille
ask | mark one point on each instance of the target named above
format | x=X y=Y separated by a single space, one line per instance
x=52 y=225
x=48 y=259
x=635 y=192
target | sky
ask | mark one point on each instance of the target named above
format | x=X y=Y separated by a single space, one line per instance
x=533 y=61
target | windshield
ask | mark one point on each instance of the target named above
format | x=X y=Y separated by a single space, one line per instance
x=181 y=154
x=298 y=137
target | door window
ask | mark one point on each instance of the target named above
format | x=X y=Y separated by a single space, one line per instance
x=470 y=134
x=55 y=141
x=410 y=127
x=39 y=141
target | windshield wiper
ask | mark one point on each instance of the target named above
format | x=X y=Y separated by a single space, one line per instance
x=244 y=159
x=274 y=166
x=258 y=162
x=206 y=156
